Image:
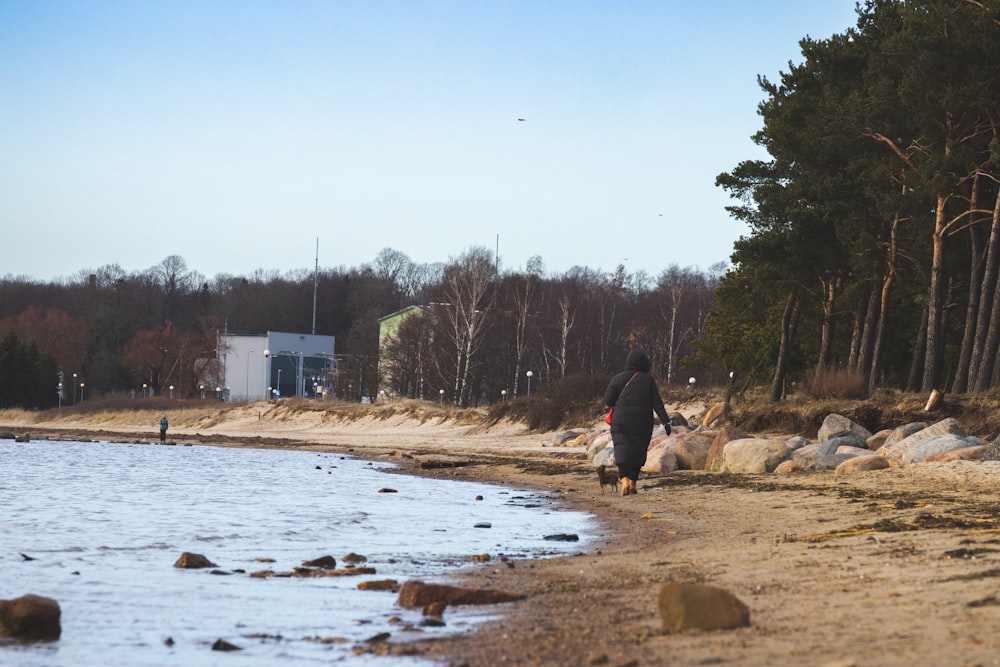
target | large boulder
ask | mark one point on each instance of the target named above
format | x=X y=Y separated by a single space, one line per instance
x=605 y=457
x=992 y=452
x=661 y=459
x=753 y=455
x=869 y=461
x=878 y=439
x=901 y=433
x=691 y=450
x=974 y=453
x=30 y=618
x=818 y=457
x=919 y=451
x=834 y=424
x=414 y=594
x=700 y=607
x=895 y=451
x=796 y=442
x=599 y=444
x=847 y=439
x=714 y=460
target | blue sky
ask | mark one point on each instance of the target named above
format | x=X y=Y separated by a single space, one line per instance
x=237 y=133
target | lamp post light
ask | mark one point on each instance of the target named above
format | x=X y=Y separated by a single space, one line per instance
x=503 y=394
x=201 y=388
x=73 y=386
x=267 y=373
x=441 y=394
x=529 y=374
x=171 y=392
x=691 y=382
x=145 y=390
x=278 y=391
x=81 y=392
x=218 y=390
x=59 y=388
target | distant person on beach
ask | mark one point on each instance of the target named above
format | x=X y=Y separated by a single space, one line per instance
x=163 y=428
x=634 y=396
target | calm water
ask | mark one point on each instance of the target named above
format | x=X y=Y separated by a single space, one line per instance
x=104 y=524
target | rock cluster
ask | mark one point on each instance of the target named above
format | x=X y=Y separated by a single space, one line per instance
x=840 y=445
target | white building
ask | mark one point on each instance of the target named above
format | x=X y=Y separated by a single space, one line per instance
x=274 y=364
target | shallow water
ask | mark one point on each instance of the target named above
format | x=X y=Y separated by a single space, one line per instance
x=104 y=524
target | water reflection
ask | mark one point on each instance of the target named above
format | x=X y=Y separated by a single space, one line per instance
x=104 y=524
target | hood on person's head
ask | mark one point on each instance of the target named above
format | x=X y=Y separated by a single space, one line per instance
x=637 y=361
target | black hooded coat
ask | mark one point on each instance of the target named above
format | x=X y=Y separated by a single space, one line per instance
x=634 y=396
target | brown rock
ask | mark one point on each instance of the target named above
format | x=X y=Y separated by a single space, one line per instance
x=379 y=585
x=700 y=607
x=692 y=450
x=435 y=609
x=415 y=594
x=223 y=645
x=352 y=558
x=861 y=463
x=787 y=468
x=713 y=460
x=974 y=453
x=713 y=414
x=30 y=617
x=323 y=562
x=190 y=561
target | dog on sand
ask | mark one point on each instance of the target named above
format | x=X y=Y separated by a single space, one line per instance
x=607 y=478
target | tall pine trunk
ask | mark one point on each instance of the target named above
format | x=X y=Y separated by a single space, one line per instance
x=980 y=363
x=933 y=330
x=787 y=334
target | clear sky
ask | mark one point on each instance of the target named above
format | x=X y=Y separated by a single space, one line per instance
x=235 y=133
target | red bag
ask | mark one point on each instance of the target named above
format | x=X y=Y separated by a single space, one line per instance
x=611 y=410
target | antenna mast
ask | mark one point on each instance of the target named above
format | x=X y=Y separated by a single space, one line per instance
x=315 y=284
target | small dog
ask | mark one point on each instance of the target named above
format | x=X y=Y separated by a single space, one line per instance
x=607 y=478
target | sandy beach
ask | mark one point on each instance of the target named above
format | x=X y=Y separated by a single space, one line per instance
x=891 y=567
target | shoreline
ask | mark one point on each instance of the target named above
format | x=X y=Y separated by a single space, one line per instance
x=890 y=567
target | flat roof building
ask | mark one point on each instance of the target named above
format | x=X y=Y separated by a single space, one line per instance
x=275 y=364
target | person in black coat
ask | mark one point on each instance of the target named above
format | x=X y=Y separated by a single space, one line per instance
x=634 y=396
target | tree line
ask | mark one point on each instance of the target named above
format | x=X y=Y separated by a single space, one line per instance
x=480 y=329
x=874 y=243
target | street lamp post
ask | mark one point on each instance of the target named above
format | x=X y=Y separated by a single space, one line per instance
x=201 y=388
x=529 y=374
x=59 y=388
x=171 y=392
x=278 y=391
x=81 y=392
x=503 y=394
x=267 y=373
x=73 y=387
x=441 y=394
x=145 y=388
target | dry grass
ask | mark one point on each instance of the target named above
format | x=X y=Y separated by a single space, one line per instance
x=978 y=413
x=835 y=383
